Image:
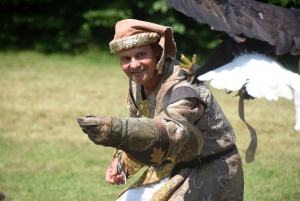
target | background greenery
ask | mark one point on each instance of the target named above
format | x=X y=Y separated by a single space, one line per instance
x=44 y=155
x=55 y=66
x=75 y=26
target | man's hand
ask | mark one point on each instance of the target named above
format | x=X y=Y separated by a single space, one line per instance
x=113 y=176
x=98 y=129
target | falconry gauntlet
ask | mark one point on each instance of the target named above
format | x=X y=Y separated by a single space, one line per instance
x=144 y=140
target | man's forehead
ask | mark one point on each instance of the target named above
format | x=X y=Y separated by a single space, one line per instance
x=135 y=50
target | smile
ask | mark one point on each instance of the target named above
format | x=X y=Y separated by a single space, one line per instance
x=139 y=71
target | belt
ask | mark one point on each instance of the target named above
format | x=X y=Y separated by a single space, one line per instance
x=198 y=161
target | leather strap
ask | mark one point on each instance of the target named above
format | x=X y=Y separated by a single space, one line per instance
x=198 y=161
x=250 y=153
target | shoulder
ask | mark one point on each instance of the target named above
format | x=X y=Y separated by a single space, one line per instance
x=177 y=85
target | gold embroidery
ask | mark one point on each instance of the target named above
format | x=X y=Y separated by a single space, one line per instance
x=233 y=183
x=157 y=155
x=144 y=107
x=132 y=167
x=163 y=193
x=173 y=184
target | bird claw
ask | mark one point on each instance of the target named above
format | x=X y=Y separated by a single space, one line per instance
x=188 y=62
x=192 y=66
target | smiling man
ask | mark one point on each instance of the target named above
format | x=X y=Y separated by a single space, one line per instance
x=175 y=128
x=139 y=64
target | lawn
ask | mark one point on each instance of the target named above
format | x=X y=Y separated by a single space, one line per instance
x=44 y=155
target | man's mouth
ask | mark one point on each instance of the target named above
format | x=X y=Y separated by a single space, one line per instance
x=138 y=71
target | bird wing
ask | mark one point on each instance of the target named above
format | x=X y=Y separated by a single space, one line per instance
x=278 y=26
x=252 y=27
x=260 y=75
x=245 y=21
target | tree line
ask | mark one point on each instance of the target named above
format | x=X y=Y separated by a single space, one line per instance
x=74 y=26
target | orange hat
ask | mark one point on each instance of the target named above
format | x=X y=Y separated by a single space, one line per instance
x=133 y=33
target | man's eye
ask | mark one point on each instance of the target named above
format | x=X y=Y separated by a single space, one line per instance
x=141 y=55
x=125 y=59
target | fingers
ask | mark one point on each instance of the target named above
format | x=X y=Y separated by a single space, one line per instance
x=113 y=176
x=89 y=125
x=90 y=130
x=114 y=166
x=87 y=121
x=119 y=180
x=115 y=179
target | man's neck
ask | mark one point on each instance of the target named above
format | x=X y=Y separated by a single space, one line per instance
x=149 y=89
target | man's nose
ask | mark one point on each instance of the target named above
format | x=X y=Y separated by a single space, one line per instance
x=134 y=63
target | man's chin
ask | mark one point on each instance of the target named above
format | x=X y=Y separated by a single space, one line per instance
x=139 y=80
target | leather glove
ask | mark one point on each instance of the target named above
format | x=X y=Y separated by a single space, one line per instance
x=133 y=133
x=146 y=140
x=98 y=130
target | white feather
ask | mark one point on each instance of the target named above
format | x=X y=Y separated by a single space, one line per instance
x=261 y=76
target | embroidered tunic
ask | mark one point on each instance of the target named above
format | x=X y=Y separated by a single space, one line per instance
x=221 y=179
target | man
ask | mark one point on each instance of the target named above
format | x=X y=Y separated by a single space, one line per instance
x=175 y=128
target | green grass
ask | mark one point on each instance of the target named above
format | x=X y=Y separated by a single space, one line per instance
x=45 y=156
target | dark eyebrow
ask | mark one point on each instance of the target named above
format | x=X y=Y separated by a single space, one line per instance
x=142 y=52
x=123 y=56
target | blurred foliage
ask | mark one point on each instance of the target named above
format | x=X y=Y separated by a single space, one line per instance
x=74 y=26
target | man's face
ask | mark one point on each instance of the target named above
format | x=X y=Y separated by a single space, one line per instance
x=139 y=64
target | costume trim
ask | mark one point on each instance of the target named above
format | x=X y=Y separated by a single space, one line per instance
x=133 y=41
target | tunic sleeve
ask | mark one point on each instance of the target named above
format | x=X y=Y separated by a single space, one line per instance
x=189 y=110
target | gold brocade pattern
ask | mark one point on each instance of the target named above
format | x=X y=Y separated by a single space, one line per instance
x=144 y=107
x=169 y=187
x=157 y=155
x=232 y=183
x=163 y=193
